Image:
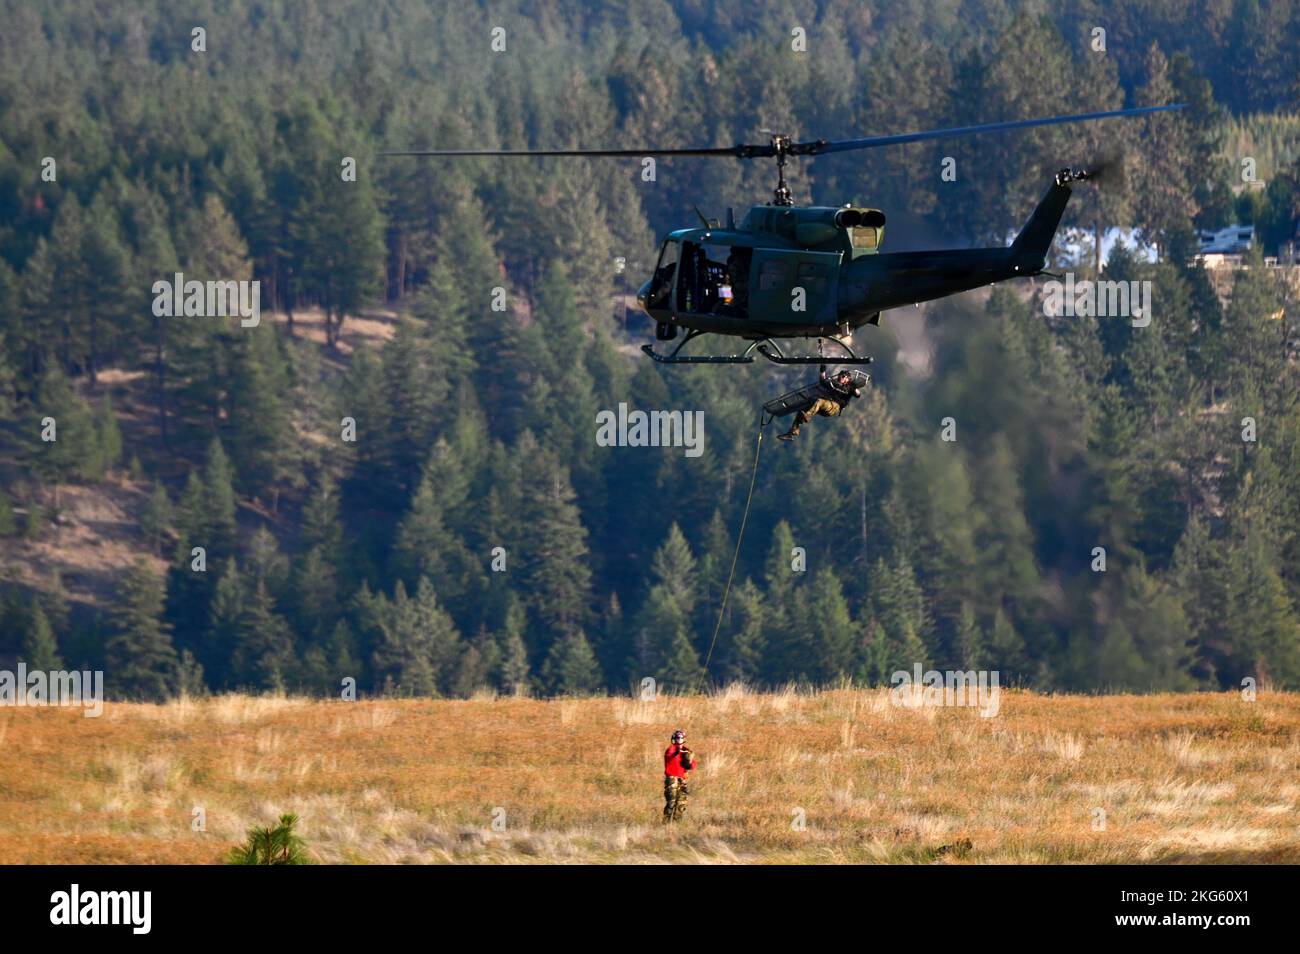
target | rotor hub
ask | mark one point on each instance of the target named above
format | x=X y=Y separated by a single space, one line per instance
x=781 y=195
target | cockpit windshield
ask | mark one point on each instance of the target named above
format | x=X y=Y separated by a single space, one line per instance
x=661 y=285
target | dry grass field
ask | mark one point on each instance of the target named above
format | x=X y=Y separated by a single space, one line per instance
x=1180 y=778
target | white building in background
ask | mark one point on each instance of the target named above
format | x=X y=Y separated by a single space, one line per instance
x=1223 y=251
x=1225 y=246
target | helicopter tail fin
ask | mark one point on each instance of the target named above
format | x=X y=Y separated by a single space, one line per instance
x=1035 y=239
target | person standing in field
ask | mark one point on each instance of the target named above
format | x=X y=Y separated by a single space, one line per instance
x=678 y=761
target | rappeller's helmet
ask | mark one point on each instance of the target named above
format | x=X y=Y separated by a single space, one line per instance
x=856 y=378
x=679 y=737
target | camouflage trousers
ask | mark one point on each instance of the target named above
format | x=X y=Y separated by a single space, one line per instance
x=823 y=406
x=676 y=794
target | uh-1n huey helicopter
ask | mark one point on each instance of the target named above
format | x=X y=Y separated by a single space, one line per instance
x=814 y=271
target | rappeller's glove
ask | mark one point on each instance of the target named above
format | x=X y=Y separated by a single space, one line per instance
x=684 y=754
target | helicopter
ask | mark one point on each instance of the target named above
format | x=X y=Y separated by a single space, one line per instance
x=787 y=271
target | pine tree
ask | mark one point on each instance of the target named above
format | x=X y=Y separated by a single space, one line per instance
x=416 y=388
x=321 y=524
x=426 y=547
x=40 y=648
x=1197 y=572
x=714 y=565
x=673 y=567
x=1162 y=188
x=743 y=656
x=1006 y=650
x=156 y=518
x=1256 y=354
x=142 y=661
x=105 y=267
x=571 y=668
x=263 y=650
x=337 y=234
x=73 y=451
x=342 y=661
x=418 y=644
x=108 y=438
x=971 y=643
x=1264 y=635
x=315 y=592
x=779 y=578
x=1007 y=567
x=261 y=434
x=512 y=675
x=831 y=629
x=218 y=651
x=556 y=571
x=680 y=670
x=218 y=507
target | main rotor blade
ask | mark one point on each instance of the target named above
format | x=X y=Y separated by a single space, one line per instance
x=713 y=151
x=821 y=146
x=814 y=147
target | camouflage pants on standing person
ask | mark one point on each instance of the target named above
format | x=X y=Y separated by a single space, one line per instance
x=676 y=794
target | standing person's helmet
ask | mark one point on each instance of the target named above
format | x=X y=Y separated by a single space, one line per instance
x=679 y=737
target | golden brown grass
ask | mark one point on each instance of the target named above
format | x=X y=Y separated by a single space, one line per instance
x=1185 y=778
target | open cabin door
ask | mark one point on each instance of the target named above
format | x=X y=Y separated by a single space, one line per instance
x=781 y=280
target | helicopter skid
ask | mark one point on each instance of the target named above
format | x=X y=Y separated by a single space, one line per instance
x=674 y=358
x=811 y=358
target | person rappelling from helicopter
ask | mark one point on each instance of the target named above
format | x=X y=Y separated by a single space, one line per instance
x=828 y=397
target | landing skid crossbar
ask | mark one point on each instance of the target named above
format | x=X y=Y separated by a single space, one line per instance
x=764 y=346
x=775 y=354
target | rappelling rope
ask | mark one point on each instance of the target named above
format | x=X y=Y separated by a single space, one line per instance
x=764 y=420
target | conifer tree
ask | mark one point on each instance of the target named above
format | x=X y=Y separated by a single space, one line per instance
x=512 y=674
x=40 y=647
x=263 y=650
x=831 y=629
x=156 y=518
x=745 y=647
x=571 y=668
x=141 y=659
x=555 y=571
x=57 y=412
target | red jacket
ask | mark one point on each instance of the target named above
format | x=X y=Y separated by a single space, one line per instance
x=673 y=763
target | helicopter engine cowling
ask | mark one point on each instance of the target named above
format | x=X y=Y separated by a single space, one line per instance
x=820 y=226
x=815 y=233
